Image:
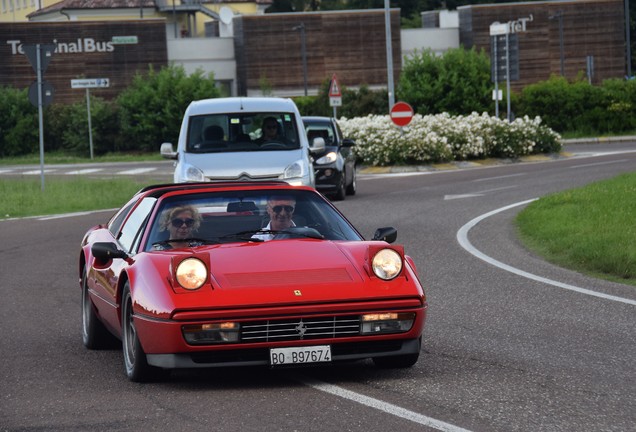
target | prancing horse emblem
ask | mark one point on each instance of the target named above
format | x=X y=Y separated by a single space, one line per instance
x=301 y=328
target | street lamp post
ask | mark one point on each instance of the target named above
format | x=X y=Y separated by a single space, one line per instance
x=303 y=50
x=627 y=38
x=389 y=53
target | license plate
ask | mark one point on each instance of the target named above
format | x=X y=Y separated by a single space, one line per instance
x=300 y=355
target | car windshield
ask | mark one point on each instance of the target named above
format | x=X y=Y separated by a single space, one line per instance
x=320 y=130
x=242 y=132
x=242 y=216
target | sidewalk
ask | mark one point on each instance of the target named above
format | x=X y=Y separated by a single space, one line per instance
x=456 y=165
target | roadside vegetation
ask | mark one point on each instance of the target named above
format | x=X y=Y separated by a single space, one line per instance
x=456 y=84
x=590 y=230
x=22 y=198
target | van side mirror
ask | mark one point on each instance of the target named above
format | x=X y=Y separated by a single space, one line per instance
x=317 y=145
x=167 y=151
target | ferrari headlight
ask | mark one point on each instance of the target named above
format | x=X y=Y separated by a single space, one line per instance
x=326 y=159
x=191 y=273
x=387 y=264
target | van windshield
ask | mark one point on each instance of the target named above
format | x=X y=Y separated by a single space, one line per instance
x=262 y=131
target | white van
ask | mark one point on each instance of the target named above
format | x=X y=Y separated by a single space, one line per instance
x=228 y=139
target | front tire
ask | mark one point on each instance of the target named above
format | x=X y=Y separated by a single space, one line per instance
x=94 y=334
x=351 y=189
x=339 y=195
x=137 y=367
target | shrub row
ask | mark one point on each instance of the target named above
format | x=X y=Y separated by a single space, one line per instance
x=443 y=138
x=146 y=114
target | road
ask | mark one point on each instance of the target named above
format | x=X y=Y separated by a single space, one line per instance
x=501 y=351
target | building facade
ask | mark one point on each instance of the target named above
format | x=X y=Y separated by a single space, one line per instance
x=554 y=37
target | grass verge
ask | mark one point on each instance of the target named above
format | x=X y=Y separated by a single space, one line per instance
x=591 y=230
x=63 y=158
x=25 y=198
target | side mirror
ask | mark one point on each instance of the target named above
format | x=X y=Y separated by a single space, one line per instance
x=347 y=142
x=104 y=251
x=167 y=151
x=317 y=145
x=387 y=234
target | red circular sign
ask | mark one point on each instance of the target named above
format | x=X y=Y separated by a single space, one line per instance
x=401 y=113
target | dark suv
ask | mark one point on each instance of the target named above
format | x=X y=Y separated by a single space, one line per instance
x=335 y=168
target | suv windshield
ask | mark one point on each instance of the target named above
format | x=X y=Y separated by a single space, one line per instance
x=242 y=132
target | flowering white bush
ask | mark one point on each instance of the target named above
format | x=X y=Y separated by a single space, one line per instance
x=442 y=138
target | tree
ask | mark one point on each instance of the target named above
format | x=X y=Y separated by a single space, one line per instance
x=151 y=109
x=458 y=82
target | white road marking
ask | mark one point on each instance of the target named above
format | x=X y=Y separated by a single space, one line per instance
x=85 y=171
x=5 y=171
x=136 y=171
x=37 y=172
x=462 y=238
x=388 y=175
x=383 y=406
x=599 y=163
x=452 y=197
x=498 y=177
x=476 y=194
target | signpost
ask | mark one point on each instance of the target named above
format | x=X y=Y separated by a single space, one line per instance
x=401 y=114
x=40 y=92
x=89 y=83
x=335 y=95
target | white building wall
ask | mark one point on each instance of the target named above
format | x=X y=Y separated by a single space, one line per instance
x=437 y=40
x=214 y=55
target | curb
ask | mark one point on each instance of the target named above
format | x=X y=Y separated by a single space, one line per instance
x=457 y=165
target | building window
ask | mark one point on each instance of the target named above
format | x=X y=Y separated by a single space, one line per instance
x=4 y=6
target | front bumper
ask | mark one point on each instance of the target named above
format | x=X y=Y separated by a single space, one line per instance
x=260 y=356
x=328 y=178
x=165 y=346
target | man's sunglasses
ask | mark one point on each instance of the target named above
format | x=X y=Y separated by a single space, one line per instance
x=277 y=209
x=178 y=223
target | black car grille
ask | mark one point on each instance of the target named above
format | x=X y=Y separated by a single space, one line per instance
x=300 y=329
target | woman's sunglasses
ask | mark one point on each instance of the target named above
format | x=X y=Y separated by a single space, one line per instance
x=178 y=223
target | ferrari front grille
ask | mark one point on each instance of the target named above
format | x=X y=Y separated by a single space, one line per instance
x=300 y=329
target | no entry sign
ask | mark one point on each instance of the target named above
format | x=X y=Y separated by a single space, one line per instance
x=401 y=114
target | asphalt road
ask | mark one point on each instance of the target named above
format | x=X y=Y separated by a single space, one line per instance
x=501 y=351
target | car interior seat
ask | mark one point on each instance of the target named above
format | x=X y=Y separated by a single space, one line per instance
x=213 y=133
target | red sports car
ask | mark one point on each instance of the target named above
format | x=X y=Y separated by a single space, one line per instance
x=246 y=273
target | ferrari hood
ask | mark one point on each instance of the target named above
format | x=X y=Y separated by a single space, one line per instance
x=282 y=263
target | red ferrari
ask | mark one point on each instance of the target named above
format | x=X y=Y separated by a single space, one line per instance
x=246 y=273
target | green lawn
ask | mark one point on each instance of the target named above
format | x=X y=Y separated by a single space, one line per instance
x=25 y=197
x=591 y=230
